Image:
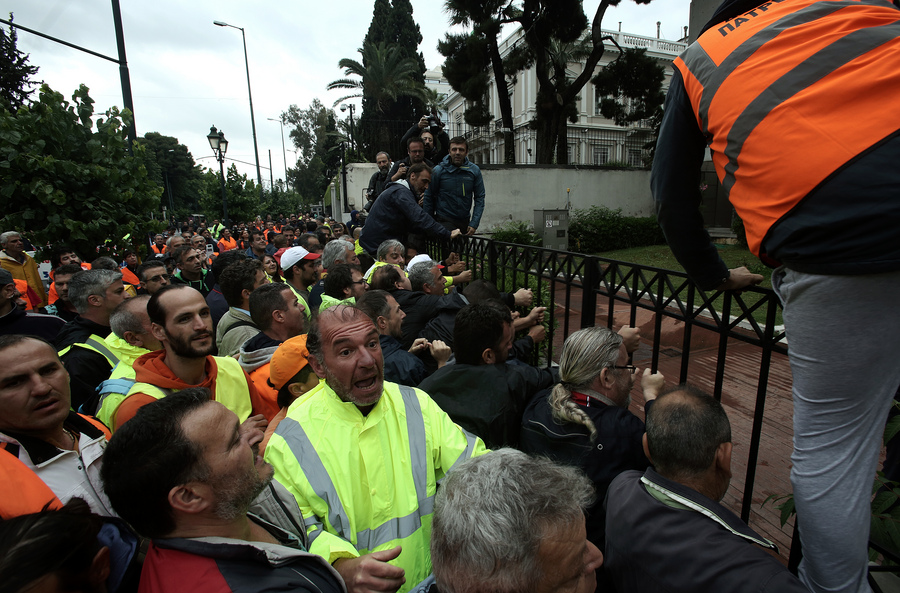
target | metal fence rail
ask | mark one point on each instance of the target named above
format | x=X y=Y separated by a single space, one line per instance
x=585 y=280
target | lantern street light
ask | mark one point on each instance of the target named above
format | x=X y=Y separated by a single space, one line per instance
x=219 y=145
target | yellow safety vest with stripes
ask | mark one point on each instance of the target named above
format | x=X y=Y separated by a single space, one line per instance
x=231 y=389
x=367 y=483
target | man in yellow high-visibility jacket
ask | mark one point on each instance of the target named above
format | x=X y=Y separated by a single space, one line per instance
x=363 y=458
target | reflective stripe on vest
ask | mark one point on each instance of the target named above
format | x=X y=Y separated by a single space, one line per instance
x=98 y=345
x=393 y=529
x=815 y=76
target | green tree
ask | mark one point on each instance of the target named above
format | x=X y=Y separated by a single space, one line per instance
x=63 y=179
x=241 y=192
x=314 y=135
x=632 y=87
x=392 y=25
x=15 y=72
x=383 y=76
x=171 y=165
x=548 y=26
x=471 y=56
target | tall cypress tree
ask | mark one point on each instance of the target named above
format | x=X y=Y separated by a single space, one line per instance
x=393 y=24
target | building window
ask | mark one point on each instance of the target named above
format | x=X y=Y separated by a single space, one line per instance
x=635 y=158
x=600 y=154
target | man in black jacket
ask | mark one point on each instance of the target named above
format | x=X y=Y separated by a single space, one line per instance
x=396 y=213
x=481 y=392
x=379 y=178
x=665 y=527
x=428 y=133
x=95 y=294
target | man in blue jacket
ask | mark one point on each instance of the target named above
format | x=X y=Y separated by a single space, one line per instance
x=455 y=184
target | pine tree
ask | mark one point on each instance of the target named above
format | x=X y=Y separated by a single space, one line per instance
x=15 y=72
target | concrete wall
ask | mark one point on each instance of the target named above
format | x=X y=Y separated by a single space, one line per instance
x=513 y=193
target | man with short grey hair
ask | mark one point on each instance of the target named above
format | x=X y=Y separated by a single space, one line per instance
x=665 y=527
x=82 y=349
x=335 y=252
x=503 y=524
x=22 y=266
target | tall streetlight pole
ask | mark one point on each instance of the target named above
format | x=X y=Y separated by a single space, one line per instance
x=351 y=107
x=283 y=150
x=250 y=94
x=219 y=145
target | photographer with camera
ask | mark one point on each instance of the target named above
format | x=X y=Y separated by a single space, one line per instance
x=427 y=129
x=430 y=128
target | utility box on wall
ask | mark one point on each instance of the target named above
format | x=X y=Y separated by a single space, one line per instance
x=552 y=226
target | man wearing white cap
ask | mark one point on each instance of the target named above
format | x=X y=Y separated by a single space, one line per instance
x=301 y=271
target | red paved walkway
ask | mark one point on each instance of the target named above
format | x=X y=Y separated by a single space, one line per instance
x=739 y=399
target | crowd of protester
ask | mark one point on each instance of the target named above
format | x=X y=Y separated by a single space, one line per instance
x=301 y=404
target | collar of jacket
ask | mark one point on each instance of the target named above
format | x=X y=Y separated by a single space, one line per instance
x=41 y=451
x=703 y=505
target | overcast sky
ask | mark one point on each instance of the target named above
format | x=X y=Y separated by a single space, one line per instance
x=187 y=74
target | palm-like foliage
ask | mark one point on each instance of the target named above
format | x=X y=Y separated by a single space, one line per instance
x=385 y=77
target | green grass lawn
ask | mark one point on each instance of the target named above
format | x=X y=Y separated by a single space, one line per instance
x=660 y=256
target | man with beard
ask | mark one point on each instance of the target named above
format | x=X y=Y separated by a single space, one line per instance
x=428 y=129
x=185 y=473
x=379 y=178
x=397 y=213
x=376 y=537
x=181 y=321
x=415 y=148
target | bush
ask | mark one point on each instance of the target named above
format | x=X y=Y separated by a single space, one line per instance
x=601 y=229
x=515 y=231
x=737 y=227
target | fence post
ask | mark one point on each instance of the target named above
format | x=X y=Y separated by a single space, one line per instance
x=589 y=284
x=492 y=261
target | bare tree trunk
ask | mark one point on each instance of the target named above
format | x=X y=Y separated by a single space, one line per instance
x=509 y=137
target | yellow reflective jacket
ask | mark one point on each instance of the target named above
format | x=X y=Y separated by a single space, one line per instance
x=367 y=483
x=112 y=390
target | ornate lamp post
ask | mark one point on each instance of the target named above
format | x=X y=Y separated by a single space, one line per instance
x=219 y=145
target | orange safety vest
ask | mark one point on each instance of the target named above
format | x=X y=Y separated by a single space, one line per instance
x=227 y=244
x=128 y=277
x=790 y=92
x=26 y=493
x=157 y=250
x=32 y=300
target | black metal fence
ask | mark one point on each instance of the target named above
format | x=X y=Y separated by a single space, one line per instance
x=581 y=281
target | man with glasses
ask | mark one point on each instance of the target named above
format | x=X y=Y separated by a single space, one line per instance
x=584 y=420
x=153 y=276
x=343 y=285
x=415 y=149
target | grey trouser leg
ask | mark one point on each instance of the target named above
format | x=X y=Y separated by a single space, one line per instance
x=844 y=346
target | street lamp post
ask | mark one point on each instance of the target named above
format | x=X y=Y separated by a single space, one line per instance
x=351 y=107
x=250 y=94
x=283 y=150
x=219 y=145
